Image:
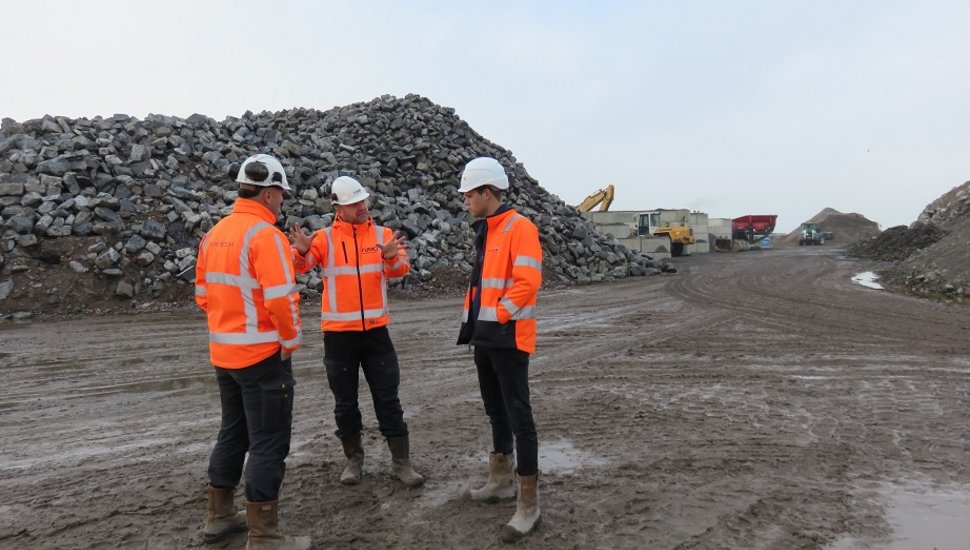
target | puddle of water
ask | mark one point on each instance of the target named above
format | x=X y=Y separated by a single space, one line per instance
x=561 y=457
x=867 y=279
x=934 y=519
x=930 y=520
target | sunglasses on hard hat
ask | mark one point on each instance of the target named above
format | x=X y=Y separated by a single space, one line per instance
x=257 y=171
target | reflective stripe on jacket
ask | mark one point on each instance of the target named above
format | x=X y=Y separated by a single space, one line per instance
x=354 y=274
x=245 y=283
x=511 y=273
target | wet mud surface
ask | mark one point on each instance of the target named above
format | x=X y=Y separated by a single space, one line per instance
x=757 y=400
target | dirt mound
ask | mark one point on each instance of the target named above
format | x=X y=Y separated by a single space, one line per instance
x=845 y=228
x=939 y=268
x=931 y=255
x=896 y=243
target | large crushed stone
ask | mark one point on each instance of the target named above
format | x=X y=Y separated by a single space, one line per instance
x=950 y=208
x=107 y=213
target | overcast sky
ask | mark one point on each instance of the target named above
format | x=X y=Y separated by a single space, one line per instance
x=726 y=107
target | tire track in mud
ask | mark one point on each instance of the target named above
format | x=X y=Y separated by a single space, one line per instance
x=770 y=290
x=692 y=411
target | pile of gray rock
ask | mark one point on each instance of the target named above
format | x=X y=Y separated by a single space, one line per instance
x=123 y=202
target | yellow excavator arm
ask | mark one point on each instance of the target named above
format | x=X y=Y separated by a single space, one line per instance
x=602 y=197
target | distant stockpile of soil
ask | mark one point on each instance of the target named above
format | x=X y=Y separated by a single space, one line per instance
x=845 y=228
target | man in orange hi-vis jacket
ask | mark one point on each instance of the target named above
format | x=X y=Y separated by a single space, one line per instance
x=357 y=257
x=245 y=283
x=500 y=322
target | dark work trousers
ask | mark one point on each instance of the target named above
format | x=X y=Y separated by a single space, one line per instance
x=503 y=376
x=345 y=355
x=257 y=415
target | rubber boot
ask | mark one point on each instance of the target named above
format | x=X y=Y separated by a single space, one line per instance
x=526 y=510
x=401 y=461
x=264 y=530
x=501 y=480
x=355 y=460
x=222 y=519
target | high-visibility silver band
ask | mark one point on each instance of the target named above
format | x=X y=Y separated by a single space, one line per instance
x=527 y=261
x=244 y=337
x=490 y=282
x=352 y=315
x=279 y=291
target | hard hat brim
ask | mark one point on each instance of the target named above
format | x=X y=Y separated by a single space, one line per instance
x=501 y=185
x=362 y=199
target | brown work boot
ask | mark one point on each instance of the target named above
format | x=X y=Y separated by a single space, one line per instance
x=354 y=452
x=401 y=461
x=264 y=531
x=526 y=510
x=501 y=480
x=222 y=519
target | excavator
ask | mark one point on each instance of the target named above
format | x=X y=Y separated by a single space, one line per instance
x=602 y=197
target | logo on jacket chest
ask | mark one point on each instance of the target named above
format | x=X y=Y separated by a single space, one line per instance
x=370 y=249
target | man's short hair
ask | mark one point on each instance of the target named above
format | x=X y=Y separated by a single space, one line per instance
x=247 y=191
x=495 y=191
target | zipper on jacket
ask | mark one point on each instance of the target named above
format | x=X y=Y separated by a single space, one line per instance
x=360 y=285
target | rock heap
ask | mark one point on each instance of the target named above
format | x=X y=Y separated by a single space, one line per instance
x=97 y=209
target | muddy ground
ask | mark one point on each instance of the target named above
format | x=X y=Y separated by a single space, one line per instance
x=756 y=400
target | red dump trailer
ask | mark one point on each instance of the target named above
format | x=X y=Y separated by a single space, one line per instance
x=753 y=227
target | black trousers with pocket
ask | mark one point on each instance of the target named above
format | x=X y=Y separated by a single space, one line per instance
x=257 y=417
x=370 y=351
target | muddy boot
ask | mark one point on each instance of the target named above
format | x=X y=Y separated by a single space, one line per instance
x=355 y=460
x=264 y=531
x=401 y=461
x=526 y=510
x=222 y=519
x=501 y=480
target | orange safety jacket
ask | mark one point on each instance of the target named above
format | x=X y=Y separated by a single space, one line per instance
x=354 y=273
x=245 y=283
x=508 y=281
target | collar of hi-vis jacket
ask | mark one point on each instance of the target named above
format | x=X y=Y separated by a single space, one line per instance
x=249 y=206
x=495 y=218
x=342 y=225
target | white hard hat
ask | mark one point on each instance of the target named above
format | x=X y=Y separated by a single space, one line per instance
x=263 y=171
x=483 y=171
x=346 y=190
